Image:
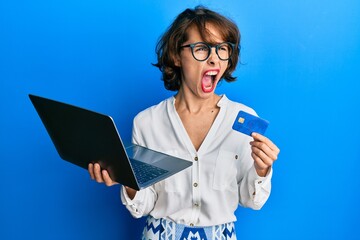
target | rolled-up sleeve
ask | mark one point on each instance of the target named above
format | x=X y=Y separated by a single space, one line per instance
x=141 y=204
x=255 y=190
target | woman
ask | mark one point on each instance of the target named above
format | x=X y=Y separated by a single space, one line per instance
x=200 y=49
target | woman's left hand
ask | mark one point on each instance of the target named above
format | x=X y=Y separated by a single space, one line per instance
x=264 y=152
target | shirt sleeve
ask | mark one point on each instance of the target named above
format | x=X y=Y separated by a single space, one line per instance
x=141 y=204
x=144 y=200
x=258 y=189
x=254 y=190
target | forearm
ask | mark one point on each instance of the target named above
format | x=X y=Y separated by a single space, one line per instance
x=130 y=192
x=261 y=172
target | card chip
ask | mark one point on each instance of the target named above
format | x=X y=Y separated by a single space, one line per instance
x=241 y=120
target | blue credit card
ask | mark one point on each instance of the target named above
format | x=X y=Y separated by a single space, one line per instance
x=247 y=123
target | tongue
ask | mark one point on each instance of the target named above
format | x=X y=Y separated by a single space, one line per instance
x=206 y=83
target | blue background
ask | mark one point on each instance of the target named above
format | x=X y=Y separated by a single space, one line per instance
x=301 y=67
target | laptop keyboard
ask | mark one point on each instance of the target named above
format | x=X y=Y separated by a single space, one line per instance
x=145 y=172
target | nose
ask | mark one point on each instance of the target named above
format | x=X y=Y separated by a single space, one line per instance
x=213 y=58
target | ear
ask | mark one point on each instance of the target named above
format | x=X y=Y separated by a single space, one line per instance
x=177 y=61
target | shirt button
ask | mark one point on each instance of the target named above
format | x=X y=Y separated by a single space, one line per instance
x=195 y=184
x=259 y=182
x=196 y=158
x=191 y=224
x=236 y=156
x=196 y=204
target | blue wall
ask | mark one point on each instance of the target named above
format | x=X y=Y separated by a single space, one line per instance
x=301 y=67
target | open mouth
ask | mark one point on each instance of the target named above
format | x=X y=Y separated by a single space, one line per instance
x=208 y=81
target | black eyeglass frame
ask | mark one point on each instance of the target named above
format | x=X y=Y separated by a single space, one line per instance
x=192 y=45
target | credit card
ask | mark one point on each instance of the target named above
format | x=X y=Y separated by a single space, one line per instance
x=247 y=123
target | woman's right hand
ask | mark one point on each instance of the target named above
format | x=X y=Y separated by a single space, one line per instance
x=101 y=176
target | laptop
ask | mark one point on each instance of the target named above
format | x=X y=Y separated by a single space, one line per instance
x=82 y=136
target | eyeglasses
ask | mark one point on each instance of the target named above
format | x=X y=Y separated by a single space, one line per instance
x=201 y=51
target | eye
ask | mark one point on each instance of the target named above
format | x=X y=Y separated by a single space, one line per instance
x=201 y=48
x=223 y=47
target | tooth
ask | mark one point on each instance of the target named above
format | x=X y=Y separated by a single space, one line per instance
x=211 y=73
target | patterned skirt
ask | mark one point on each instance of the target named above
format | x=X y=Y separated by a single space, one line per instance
x=162 y=229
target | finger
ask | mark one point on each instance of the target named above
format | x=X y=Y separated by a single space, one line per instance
x=107 y=179
x=97 y=173
x=262 y=156
x=258 y=161
x=91 y=171
x=262 y=138
x=265 y=148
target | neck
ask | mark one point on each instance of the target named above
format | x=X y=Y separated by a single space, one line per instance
x=193 y=104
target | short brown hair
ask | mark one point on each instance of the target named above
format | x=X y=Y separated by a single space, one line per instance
x=168 y=47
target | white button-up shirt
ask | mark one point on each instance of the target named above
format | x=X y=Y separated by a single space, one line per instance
x=221 y=177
